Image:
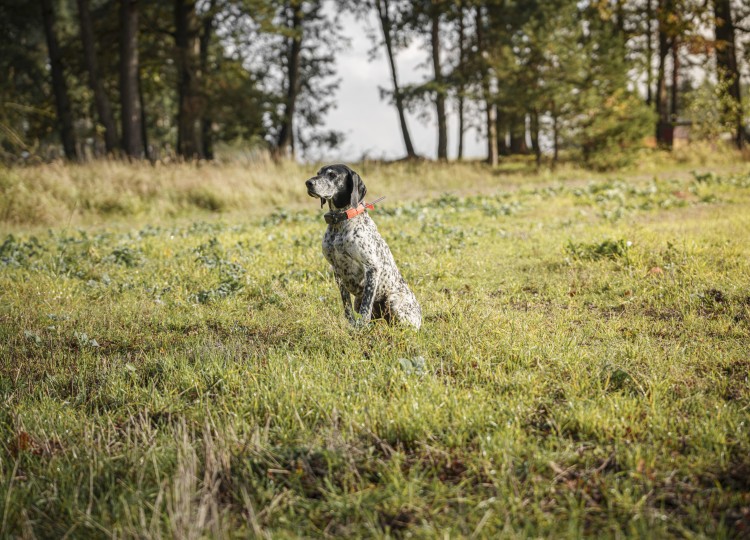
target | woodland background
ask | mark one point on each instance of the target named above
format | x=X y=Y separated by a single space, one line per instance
x=591 y=81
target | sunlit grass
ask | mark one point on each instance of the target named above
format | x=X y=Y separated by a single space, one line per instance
x=187 y=371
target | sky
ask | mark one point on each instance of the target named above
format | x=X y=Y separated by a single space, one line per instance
x=370 y=125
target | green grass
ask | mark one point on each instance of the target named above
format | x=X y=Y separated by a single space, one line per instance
x=169 y=371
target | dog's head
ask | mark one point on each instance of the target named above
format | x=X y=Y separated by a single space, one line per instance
x=339 y=184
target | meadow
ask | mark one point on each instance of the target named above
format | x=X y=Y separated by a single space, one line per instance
x=174 y=361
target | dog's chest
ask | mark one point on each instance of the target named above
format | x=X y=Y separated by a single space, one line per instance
x=351 y=247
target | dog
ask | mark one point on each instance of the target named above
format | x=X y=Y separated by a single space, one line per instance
x=361 y=260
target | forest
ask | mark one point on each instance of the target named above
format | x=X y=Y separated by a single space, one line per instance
x=591 y=80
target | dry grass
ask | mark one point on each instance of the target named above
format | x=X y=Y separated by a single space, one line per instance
x=106 y=191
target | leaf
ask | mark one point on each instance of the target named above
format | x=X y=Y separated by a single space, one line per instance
x=406 y=365
x=415 y=365
x=32 y=336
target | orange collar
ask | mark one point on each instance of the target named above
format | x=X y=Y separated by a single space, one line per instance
x=338 y=217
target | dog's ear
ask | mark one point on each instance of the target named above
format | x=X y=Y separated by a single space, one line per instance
x=359 y=190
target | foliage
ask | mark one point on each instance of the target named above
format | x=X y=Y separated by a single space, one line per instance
x=612 y=132
x=563 y=76
x=26 y=107
x=711 y=110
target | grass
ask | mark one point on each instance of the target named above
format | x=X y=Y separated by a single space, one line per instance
x=182 y=367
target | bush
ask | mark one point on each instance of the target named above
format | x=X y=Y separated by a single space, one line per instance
x=612 y=134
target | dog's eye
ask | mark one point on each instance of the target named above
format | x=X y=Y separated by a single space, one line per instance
x=331 y=175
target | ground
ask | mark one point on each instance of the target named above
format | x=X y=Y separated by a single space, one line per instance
x=174 y=359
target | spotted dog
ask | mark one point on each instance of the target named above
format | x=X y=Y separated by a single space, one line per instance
x=362 y=262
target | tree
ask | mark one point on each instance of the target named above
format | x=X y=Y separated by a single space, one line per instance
x=460 y=76
x=204 y=47
x=130 y=101
x=439 y=85
x=668 y=29
x=59 y=86
x=649 y=52
x=613 y=120
x=101 y=101
x=27 y=109
x=727 y=67
x=385 y=16
x=485 y=78
x=190 y=106
x=294 y=14
x=305 y=54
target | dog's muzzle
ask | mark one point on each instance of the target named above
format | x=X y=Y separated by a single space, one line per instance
x=310 y=188
x=311 y=191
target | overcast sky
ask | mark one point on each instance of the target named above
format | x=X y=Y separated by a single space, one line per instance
x=370 y=124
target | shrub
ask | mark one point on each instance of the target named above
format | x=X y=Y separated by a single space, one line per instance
x=612 y=133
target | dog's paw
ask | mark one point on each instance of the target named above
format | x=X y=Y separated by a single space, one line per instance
x=359 y=324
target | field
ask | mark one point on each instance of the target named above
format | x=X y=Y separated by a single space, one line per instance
x=174 y=361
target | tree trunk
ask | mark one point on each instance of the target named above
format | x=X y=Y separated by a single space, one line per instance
x=144 y=131
x=649 y=52
x=285 y=144
x=442 y=147
x=382 y=7
x=675 y=94
x=534 y=128
x=101 y=101
x=501 y=132
x=663 y=131
x=189 y=113
x=59 y=86
x=461 y=75
x=489 y=105
x=518 y=135
x=555 y=136
x=132 y=119
x=726 y=64
x=620 y=14
x=206 y=121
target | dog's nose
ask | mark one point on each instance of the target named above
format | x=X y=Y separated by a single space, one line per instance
x=309 y=184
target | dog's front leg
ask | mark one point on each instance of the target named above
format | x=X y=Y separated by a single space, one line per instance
x=346 y=299
x=372 y=277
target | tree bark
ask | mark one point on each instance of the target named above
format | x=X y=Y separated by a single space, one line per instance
x=382 y=7
x=206 y=121
x=534 y=128
x=555 y=136
x=675 y=94
x=489 y=104
x=442 y=146
x=649 y=52
x=726 y=64
x=144 y=131
x=189 y=113
x=662 y=127
x=132 y=119
x=518 y=135
x=101 y=101
x=285 y=143
x=501 y=132
x=59 y=86
x=461 y=75
x=620 y=14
